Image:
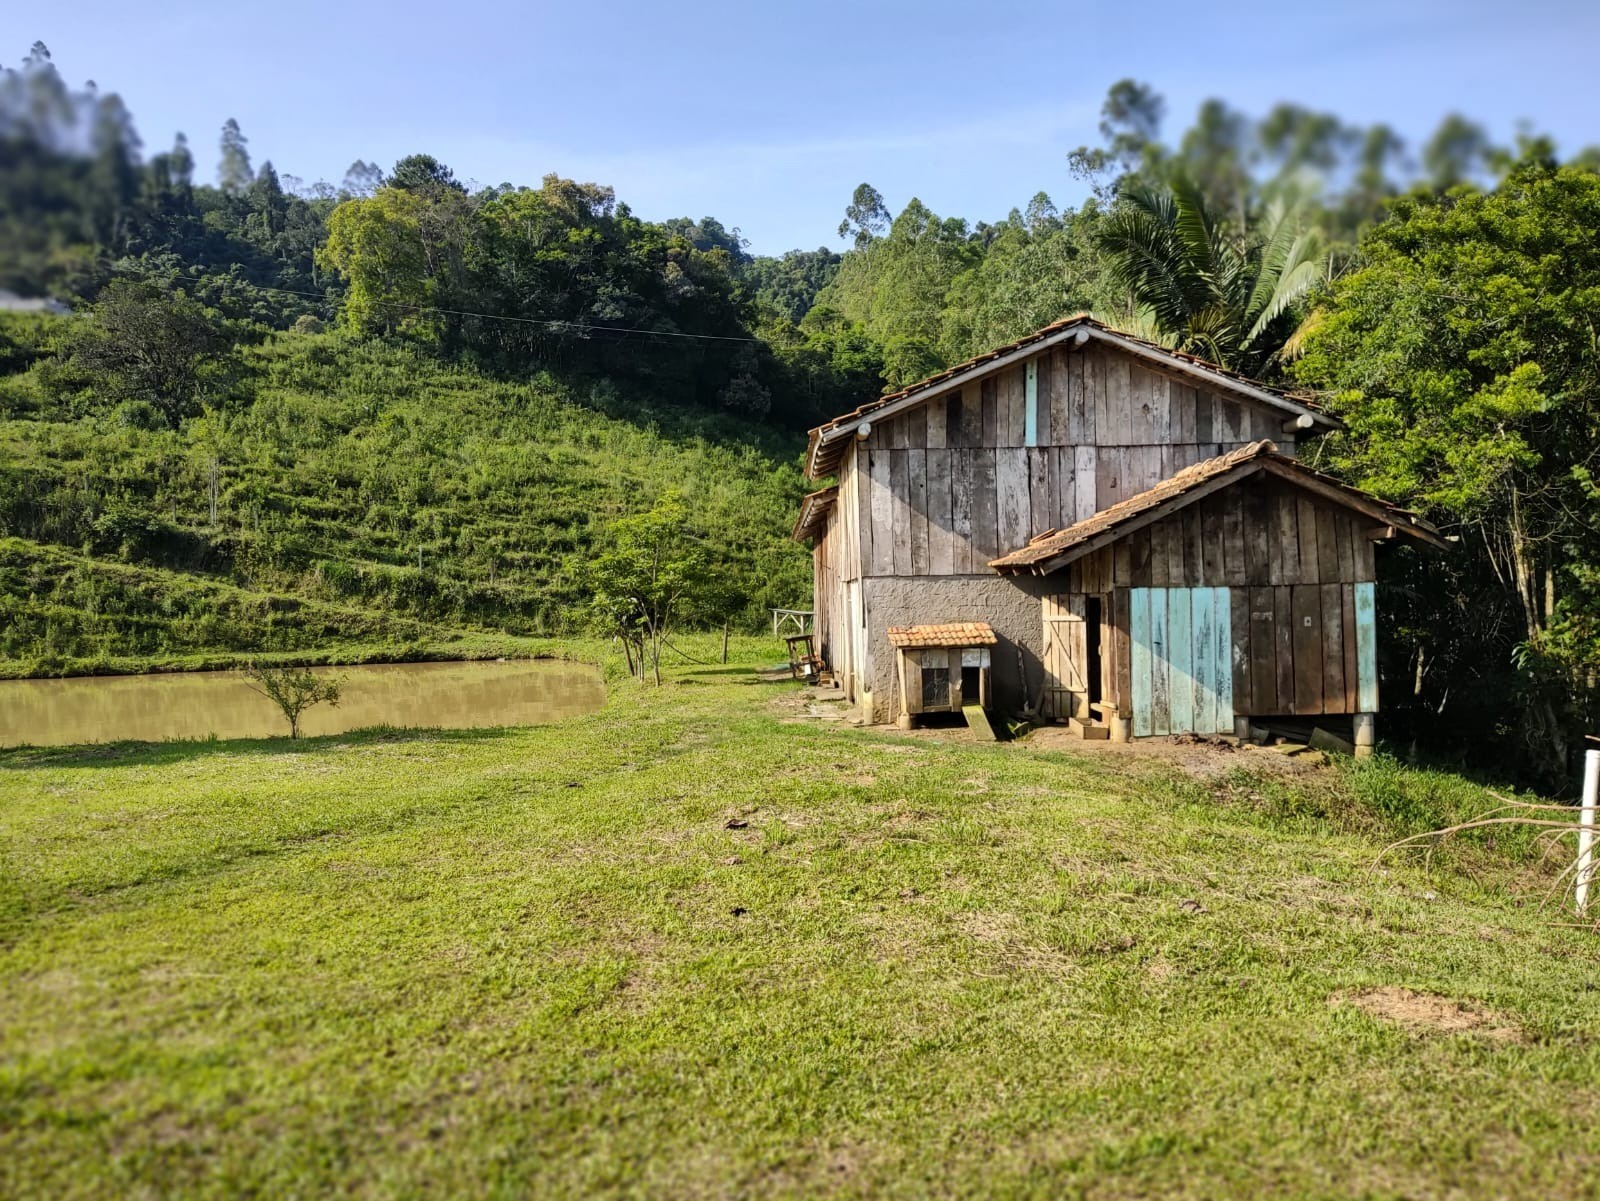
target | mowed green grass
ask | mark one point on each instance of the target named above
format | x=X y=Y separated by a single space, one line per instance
x=539 y=963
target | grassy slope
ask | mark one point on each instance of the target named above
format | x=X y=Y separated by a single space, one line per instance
x=347 y=460
x=536 y=962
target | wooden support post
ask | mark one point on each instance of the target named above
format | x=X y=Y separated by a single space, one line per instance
x=1241 y=727
x=1591 y=791
x=1121 y=728
x=1366 y=729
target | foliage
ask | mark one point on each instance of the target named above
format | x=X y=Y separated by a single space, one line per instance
x=1228 y=295
x=650 y=576
x=147 y=345
x=292 y=689
x=1455 y=358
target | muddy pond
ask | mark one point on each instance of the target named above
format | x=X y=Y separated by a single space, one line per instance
x=206 y=703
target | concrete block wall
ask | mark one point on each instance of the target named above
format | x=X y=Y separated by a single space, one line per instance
x=1009 y=605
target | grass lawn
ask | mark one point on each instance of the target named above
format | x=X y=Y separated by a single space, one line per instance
x=539 y=963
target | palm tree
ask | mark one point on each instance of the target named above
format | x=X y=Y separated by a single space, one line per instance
x=1198 y=286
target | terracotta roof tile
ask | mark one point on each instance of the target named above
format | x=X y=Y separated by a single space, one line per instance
x=953 y=634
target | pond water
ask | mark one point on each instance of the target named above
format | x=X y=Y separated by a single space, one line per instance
x=202 y=703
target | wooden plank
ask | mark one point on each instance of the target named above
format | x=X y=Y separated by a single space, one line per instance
x=1016 y=393
x=1041 y=504
x=1352 y=664
x=1193 y=541
x=1078 y=654
x=940 y=545
x=1180 y=664
x=1256 y=534
x=972 y=424
x=1263 y=653
x=1044 y=373
x=1234 y=571
x=917 y=478
x=1306 y=605
x=1160 y=666
x=1203 y=417
x=1138 y=544
x=1366 y=566
x=1240 y=678
x=1366 y=647
x=1343 y=536
x=1083 y=467
x=1310 y=568
x=1288 y=548
x=961 y=551
x=900 y=512
x=1235 y=423
x=1210 y=510
x=989 y=394
x=1283 y=628
x=1108 y=661
x=1181 y=397
x=1121 y=563
x=1327 y=545
x=882 y=514
x=1158 y=395
x=938 y=422
x=1030 y=403
x=1121 y=651
x=917 y=428
x=1060 y=392
x=1203 y=654
x=1011 y=492
x=1333 y=694
x=1177 y=535
x=1107 y=479
x=1066 y=487
x=1160 y=532
x=1139 y=658
x=1094 y=384
x=1222 y=656
x=978 y=722
x=985 y=510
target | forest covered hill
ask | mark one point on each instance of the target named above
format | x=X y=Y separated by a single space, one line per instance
x=414 y=403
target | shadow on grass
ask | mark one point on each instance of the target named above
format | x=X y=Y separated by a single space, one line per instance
x=179 y=750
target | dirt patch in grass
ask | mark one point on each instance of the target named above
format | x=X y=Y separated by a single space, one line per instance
x=1203 y=758
x=1425 y=1013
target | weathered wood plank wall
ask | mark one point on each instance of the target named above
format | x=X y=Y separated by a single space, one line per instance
x=1301 y=624
x=945 y=487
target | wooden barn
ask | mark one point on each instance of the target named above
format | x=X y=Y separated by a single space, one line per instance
x=1132 y=524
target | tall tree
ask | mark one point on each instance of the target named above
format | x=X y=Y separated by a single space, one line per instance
x=233 y=168
x=1206 y=287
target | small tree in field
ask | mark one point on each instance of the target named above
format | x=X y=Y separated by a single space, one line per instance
x=650 y=576
x=292 y=689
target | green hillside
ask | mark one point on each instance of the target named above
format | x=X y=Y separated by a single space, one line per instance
x=364 y=491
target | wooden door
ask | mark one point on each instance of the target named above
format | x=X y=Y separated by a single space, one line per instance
x=1066 y=686
x=1181 y=660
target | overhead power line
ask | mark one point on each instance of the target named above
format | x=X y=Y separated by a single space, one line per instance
x=546 y=322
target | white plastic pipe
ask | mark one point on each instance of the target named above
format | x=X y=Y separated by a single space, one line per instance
x=1591 y=791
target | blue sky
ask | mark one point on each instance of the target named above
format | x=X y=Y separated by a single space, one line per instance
x=767 y=115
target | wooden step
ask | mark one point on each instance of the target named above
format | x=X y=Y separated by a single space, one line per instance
x=1104 y=708
x=978 y=722
x=1090 y=730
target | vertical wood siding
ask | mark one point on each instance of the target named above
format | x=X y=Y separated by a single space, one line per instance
x=945 y=487
x=1179 y=662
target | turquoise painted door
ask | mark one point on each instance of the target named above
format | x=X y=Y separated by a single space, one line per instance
x=1181 y=660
